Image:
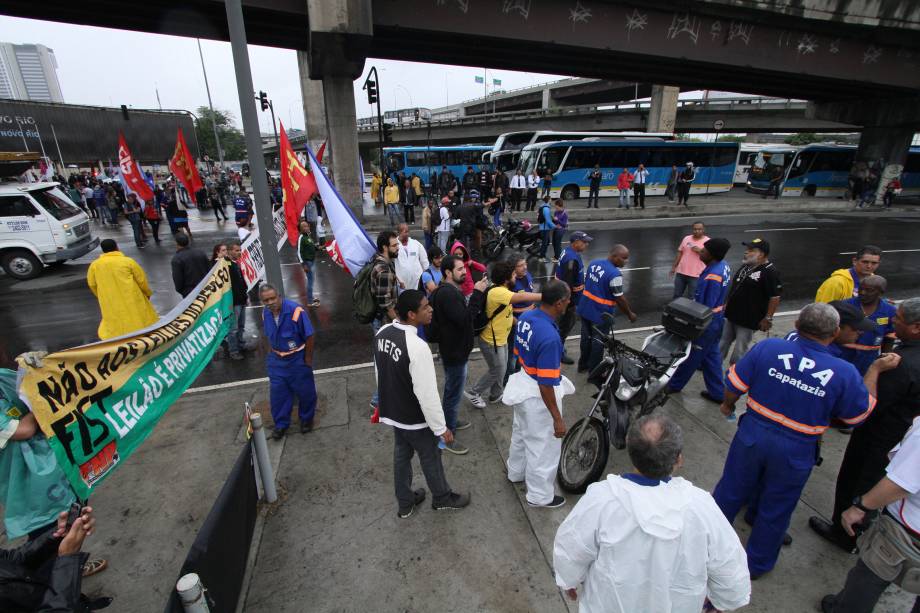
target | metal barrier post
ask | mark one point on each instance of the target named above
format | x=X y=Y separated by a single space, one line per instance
x=265 y=464
x=192 y=594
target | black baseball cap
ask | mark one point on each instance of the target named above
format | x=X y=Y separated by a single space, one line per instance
x=759 y=243
x=578 y=235
x=853 y=316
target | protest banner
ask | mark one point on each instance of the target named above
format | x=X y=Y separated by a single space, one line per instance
x=252 y=260
x=97 y=403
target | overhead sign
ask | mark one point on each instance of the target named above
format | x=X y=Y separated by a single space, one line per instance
x=718 y=124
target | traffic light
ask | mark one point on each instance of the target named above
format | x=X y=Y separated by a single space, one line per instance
x=371 y=87
x=263 y=100
x=388 y=133
x=416 y=114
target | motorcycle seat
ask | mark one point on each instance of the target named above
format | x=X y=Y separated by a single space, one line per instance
x=664 y=345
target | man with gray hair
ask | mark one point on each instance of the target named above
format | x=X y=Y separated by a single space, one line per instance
x=866 y=456
x=794 y=389
x=689 y=552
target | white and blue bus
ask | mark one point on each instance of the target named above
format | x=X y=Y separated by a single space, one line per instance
x=424 y=160
x=819 y=170
x=571 y=164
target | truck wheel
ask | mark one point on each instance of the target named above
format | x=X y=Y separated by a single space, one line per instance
x=809 y=191
x=569 y=192
x=21 y=264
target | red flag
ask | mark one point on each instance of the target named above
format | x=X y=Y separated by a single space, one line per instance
x=131 y=171
x=319 y=154
x=297 y=185
x=183 y=166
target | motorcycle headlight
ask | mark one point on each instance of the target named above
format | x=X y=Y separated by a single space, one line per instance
x=625 y=391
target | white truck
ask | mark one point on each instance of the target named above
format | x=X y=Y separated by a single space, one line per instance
x=39 y=226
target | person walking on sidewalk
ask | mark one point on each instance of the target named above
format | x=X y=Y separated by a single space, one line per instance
x=594 y=188
x=639 y=182
x=493 y=340
x=671 y=190
x=306 y=254
x=289 y=334
x=133 y=215
x=409 y=402
x=391 y=202
x=536 y=393
x=624 y=182
x=684 y=182
x=687 y=265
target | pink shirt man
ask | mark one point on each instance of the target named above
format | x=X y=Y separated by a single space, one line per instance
x=690 y=263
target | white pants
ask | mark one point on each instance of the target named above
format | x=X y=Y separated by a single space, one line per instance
x=534 y=453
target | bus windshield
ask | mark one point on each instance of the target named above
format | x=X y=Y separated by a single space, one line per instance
x=529 y=160
x=773 y=158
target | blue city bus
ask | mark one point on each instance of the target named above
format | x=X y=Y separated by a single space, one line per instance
x=424 y=160
x=571 y=164
x=820 y=170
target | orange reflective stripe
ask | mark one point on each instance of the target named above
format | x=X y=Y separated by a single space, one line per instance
x=713 y=277
x=718 y=309
x=546 y=373
x=862 y=347
x=736 y=380
x=597 y=299
x=287 y=353
x=578 y=288
x=783 y=420
x=862 y=416
x=297 y=312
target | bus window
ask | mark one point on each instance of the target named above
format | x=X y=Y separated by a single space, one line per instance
x=725 y=156
x=472 y=158
x=582 y=157
x=611 y=157
x=551 y=158
x=396 y=161
x=415 y=158
x=913 y=163
x=434 y=158
x=631 y=157
x=529 y=160
x=802 y=163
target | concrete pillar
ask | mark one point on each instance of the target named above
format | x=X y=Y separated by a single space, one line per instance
x=343 y=139
x=884 y=150
x=548 y=102
x=314 y=104
x=662 y=113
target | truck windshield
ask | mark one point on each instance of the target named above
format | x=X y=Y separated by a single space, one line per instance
x=55 y=202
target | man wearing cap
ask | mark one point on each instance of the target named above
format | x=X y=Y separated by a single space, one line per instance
x=880 y=312
x=852 y=323
x=794 y=389
x=711 y=291
x=571 y=271
x=752 y=300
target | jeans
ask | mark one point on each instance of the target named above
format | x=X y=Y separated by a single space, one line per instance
x=741 y=336
x=375 y=325
x=639 y=195
x=308 y=271
x=558 y=233
x=406 y=443
x=862 y=590
x=544 y=242
x=454 y=379
x=593 y=194
x=155 y=229
x=492 y=381
x=135 y=220
x=393 y=213
x=113 y=216
x=428 y=240
x=237 y=327
x=592 y=349
x=624 y=198
x=684 y=285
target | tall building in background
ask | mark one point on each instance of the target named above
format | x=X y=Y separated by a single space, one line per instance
x=29 y=72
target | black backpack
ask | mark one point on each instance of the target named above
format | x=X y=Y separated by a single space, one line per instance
x=481 y=320
x=435 y=218
x=432 y=330
x=540 y=213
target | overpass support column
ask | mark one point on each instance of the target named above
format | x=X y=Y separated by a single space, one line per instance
x=548 y=102
x=888 y=127
x=340 y=35
x=662 y=113
x=314 y=104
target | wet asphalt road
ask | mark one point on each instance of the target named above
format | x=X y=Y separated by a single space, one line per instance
x=805 y=248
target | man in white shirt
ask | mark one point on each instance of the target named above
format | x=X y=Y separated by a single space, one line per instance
x=411 y=261
x=898 y=493
x=518 y=185
x=444 y=225
x=533 y=183
x=648 y=541
x=89 y=204
x=641 y=178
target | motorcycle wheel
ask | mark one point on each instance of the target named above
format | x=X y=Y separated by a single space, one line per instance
x=584 y=455
x=493 y=249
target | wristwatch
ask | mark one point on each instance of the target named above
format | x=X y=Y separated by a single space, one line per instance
x=857 y=502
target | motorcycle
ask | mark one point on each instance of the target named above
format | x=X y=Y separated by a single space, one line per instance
x=513 y=231
x=631 y=383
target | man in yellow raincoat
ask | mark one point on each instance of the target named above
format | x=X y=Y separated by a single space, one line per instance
x=120 y=285
x=376 y=184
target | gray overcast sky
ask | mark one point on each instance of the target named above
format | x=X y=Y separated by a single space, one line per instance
x=114 y=67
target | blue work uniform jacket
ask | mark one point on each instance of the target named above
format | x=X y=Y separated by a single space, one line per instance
x=538 y=347
x=603 y=283
x=577 y=283
x=868 y=345
x=289 y=336
x=712 y=289
x=522 y=285
x=799 y=386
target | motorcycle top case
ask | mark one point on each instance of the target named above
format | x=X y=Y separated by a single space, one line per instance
x=686 y=318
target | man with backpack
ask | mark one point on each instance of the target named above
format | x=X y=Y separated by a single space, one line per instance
x=376 y=289
x=494 y=327
x=452 y=328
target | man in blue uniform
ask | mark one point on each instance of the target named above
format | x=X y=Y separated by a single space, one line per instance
x=242 y=207
x=290 y=360
x=603 y=293
x=794 y=389
x=711 y=290
x=880 y=312
x=571 y=271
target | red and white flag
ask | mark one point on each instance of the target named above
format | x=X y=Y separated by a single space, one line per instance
x=131 y=172
x=352 y=247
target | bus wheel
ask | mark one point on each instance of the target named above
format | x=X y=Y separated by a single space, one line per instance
x=570 y=192
x=809 y=191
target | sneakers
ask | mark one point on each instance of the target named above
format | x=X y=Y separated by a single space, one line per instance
x=419 y=495
x=454 y=501
x=462 y=425
x=475 y=399
x=494 y=399
x=555 y=503
x=456 y=448
x=278 y=433
x=306 y=426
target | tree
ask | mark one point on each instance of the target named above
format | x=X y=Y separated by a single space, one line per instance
x=732 y=138
x=801 y=138
x=231 y=138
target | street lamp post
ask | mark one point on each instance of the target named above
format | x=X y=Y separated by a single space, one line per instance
x=207 y=88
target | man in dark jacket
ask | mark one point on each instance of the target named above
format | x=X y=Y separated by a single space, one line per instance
x=470 y=179
x=453 y=323
x=45 y=573
x=189 y=266
x=240 y=298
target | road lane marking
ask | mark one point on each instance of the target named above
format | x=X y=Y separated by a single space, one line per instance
x=883 y=251
x=780 y=229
